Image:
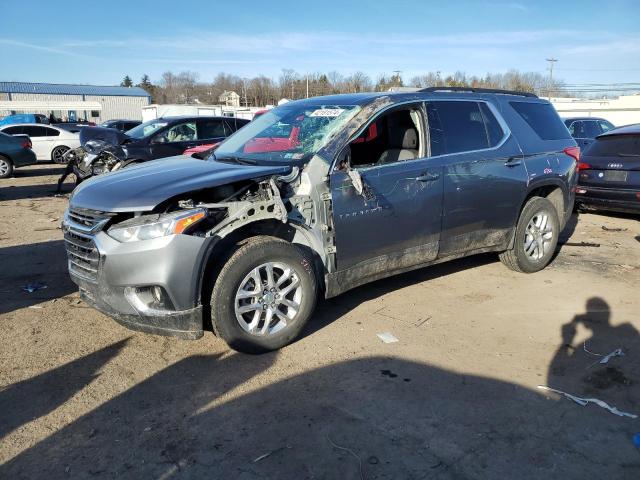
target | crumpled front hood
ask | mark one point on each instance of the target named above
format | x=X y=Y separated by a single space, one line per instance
x=106 y=135
x=143 y=187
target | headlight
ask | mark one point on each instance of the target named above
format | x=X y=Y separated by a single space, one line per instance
x=148 y=227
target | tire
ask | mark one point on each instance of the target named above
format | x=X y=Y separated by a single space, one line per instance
x=57 y=154
x=232 y=317
x=533 y=248
x=6 y=167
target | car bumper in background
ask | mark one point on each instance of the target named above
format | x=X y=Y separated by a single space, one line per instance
x=23 y=157
x=619 y=200
x=117 y=279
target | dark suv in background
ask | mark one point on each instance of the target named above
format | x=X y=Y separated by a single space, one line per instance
x=161 y=137
x=314 y=198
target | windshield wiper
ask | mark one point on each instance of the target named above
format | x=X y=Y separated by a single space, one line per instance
x=629 y=154
x=238 y=160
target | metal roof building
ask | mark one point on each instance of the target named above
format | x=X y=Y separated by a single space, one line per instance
x=95 y=103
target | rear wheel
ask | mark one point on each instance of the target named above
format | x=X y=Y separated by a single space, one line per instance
x=536 y=237
x=264 y=295
x=6 y=167
x=57 y=154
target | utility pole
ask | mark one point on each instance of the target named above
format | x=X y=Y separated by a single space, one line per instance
x=307 y=85
x=551 y=62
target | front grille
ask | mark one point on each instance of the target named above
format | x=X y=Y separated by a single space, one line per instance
x=82 y=254
x=87 y=218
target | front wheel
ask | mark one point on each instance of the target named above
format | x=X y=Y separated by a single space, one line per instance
x=536 y=237
x=264 y=295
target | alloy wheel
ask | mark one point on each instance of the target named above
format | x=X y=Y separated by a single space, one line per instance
x=268 y=298
x=538 y=236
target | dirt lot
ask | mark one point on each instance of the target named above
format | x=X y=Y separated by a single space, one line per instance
x=456 y=397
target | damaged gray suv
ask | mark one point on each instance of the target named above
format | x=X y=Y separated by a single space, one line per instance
x=317 y=197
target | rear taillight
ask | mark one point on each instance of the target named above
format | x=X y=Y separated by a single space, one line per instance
x=583 y=166
x=26 y=144
x=573 y=152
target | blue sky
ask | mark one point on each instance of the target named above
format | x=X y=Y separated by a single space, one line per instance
x=100 y=42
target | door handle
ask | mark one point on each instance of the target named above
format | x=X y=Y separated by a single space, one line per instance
x=427 y=177
x=513 y=162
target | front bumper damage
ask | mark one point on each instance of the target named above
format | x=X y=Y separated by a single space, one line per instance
x=116 y=278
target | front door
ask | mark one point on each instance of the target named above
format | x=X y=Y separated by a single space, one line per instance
x=174 y=140
x=393 y=221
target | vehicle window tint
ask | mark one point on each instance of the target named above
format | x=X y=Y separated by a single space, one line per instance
x=35 y=131
x=50 y=132
x=543 y=119
x=615 y=145
x=605 y=126
x=211 y=129
x=493 y=128
x=456 y=127
x=183 y=132
x=12 y=130
x=591 y=129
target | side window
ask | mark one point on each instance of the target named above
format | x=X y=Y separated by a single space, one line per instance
x=12 y=130
x=605 y=126
x=183 y=132
x=211 y=129
x=493 y=128
x=543 y=119
x=394 y=136
x=50 y=132
x=35 y=131
x=592 y=129
x=459 y=126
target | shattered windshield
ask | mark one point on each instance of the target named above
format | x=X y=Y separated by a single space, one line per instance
x=287 y=133
x=146 y=129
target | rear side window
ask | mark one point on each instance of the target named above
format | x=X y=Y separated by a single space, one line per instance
x=615 y=145
x=211 y=129
x=50 y=132
x=13 y=130
x=35 y=131
x=459 y=126
x=543 y=119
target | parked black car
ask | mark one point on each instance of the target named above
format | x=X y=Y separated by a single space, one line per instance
x=585 y=129
x=609 y=171
x=122 y=125
x=314 y=198
x=162 y=137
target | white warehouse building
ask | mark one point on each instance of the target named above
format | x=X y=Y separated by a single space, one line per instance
x=73 y=102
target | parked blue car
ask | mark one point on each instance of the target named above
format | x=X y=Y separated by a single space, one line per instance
x=24 y=118
x=14 y=152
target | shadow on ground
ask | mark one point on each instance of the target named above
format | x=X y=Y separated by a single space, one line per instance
x=44 y=263
x=377 y=417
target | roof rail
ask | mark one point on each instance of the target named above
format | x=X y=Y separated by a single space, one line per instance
x=477 y=90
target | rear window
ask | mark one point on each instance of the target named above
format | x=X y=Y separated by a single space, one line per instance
x=615 y=145
x=543 y=119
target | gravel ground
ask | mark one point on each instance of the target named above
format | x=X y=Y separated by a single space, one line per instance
x=455 y=397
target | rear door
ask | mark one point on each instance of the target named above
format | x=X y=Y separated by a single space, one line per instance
x=484 y=174
x=211 y=131
x=42 y=143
